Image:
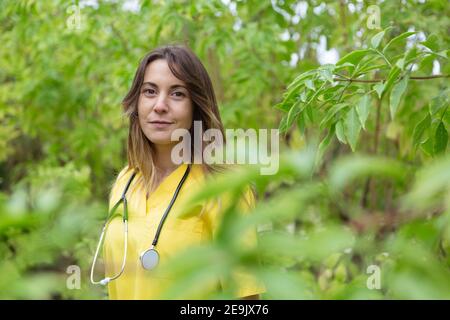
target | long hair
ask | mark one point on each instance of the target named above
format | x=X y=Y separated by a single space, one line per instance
x=186 y=66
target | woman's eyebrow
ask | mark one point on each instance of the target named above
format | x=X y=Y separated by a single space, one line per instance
x=171 y=87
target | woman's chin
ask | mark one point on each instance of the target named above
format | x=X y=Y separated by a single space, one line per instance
x=161 y=140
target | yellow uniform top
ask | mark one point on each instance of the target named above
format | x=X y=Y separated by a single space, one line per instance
x=144 y=216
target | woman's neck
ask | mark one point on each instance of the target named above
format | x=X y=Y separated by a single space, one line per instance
x=163 y=160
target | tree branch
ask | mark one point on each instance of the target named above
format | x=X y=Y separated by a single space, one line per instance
x=380 y=80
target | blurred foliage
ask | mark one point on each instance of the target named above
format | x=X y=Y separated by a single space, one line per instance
x=364 y=176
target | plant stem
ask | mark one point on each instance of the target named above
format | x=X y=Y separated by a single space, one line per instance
x=380 y=80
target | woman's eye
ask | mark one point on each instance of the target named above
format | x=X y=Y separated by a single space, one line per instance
x=148 y=91
x=180 y=94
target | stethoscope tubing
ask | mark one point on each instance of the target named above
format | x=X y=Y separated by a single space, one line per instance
x=123 y=198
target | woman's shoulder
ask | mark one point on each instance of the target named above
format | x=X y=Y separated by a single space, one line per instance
x=122 y=177
x=126 y=170
x=119 y=181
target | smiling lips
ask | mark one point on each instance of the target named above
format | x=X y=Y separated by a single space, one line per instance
x=161 y=123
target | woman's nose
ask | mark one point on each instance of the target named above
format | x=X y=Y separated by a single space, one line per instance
x=161 y=104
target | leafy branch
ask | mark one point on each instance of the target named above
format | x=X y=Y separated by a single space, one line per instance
x=343 y=78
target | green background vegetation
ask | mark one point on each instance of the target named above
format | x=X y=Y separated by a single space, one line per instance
x=364 y=175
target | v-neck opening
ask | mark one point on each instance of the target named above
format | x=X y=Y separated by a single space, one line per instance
x=167 y=184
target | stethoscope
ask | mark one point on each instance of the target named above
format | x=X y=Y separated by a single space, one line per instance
x=150 y=257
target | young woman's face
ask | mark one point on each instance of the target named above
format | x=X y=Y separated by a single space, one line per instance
x=164 y=103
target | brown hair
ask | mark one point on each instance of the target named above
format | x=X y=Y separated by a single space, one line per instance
x=186 y=66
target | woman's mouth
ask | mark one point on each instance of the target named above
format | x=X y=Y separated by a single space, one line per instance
x=161 y=124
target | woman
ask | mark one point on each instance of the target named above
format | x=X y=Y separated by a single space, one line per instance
x=171 y=89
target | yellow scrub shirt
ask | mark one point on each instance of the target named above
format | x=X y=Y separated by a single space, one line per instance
x=176 y=234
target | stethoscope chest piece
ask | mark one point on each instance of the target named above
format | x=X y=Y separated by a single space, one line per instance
x=149 y=259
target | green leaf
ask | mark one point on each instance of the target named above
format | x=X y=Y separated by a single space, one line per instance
x=326 y=72
x=292 y=92
x=353 y=57
x=379 y=88
x=309 y=112
x=432 y=43
x=309 y=84
x=352 y=128
x=299 y=79
x=376 y=39
x=292 y=115
x=412 y=54
x=326 y=141
x=340 y=132
x=363 y=109
x=283 y=124
x=426 y=64
x=398 y=38
x=429 y=183
x=302 y=96
x=378 y=67
x=427 y=146
x=344 y=65
x=400 y=63
x=392 y=77
x=351 y=167
x=440 y=54
x=282 y=106
x=301 y=124
x=438 y=103
x=331 y=112
x=286 y=285
x=420 y=129
x=396 y=95
x=440 y=138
